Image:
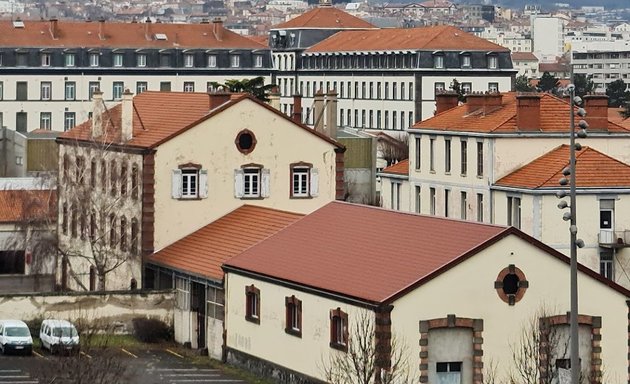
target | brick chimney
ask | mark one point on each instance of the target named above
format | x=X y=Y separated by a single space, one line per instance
x=101 y=28
x=475 y=102
x=331 y=114
x=297 y=108
x=528 y=112
x=596 y=107
x=54 y=28
x=445 y=101
x=147 y=29
x=219 y=98
x=274 y=98
x=217 y=29
x=97 y=113
x=126 y=123
x=318 y=112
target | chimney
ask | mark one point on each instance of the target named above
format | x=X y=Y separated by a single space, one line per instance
x=274 y=98
x=445 y=101
x=217 y=29
x=318 y=111
x=97 y=114
x=493 y=101
x=147 y=29
x=54 y=32
x=528 y=112
x=126 y=124
x=331 y=114
x=297 y=108
x=474 y=102
x=218 y=98
x=101 y=28
x=596 y=107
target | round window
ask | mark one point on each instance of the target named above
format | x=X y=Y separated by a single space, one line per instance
x=245 y=141
x=511 y=284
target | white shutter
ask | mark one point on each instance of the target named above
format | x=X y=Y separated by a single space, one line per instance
x=203 y=183
x=314 y=182
x=238 y=183
x=176 y=184
x=264 y=184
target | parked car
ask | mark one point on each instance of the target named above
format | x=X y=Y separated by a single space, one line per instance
x=59 y=336
x=15 y=337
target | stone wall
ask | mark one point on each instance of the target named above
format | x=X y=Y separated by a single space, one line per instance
x=115 y=309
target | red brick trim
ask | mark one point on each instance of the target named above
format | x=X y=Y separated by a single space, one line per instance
x=523 y=284
x=595 y=322
x=452 y=321
x=148 y=204
x=383 y=336
x=334 y=338
x=340 y=190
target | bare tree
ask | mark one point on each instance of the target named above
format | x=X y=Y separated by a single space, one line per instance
x=541 y=346
x=364 y=362
x=99 y=204
x=393 y=149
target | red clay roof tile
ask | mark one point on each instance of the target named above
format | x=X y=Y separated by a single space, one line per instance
x=523 y=56
x=438 y=37
x=554 y=117
x=72 y=34
x=203 y=252
x=325 y=17
x=27 y=205
x=400 y=168
x=593 y=170
x=348 y=249
x=159 y=116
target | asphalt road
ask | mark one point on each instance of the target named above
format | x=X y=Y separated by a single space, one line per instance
x=155 y=366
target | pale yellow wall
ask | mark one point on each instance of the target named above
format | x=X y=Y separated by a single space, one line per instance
x=405 y=202
x=543 y=220
x=268 y=340
x=103 y=203
x=211 y=144
x=468 y=291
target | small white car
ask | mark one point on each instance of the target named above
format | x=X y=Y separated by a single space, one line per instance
x=59 y=336
x=15 y=337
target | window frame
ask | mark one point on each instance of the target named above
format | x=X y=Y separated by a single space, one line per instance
x=252 y=304
x=141 y=60
x=94 y=58
x=46 y=59
x=339 y=329
x=118 y=60
x=212 y=61
x=69 y=59
x=235 y=61
x=438 y=61
x=45 y=90
x=189 y=60
x=189 y=178
x=45 y=120
x=70 y=91
x=480 y=159
x=514 y=211
x=118 y=88
x=301 y=171
x=293 y=316
x=252 y=175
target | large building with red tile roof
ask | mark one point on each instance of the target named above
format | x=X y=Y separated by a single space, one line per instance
x=441 y=290
x=159 y=166
x=386 y=78
x=498 y=157
x=51 y=68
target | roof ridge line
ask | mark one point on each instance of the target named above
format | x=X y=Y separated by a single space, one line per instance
x=545 y=154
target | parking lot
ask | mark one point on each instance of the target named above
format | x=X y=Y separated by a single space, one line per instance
x=152 y=366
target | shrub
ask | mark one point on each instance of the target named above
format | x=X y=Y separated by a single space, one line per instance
x=151 y=330
x=34 y=325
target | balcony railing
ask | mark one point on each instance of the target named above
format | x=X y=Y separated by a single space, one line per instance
x=614 y=239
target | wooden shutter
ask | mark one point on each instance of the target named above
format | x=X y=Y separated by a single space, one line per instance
x=264 y=182
x=203 y=183
x=238 y=183
x=314 y=182
x=176 y=184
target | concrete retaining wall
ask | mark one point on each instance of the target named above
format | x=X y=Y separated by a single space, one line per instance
x=110 y=309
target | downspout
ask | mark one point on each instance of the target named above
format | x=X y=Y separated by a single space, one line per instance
x=225 y=312
x=491 y=178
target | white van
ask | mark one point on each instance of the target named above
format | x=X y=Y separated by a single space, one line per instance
x=15 y=337
x=59 y=336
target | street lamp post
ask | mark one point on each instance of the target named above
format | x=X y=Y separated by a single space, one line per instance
x=571 y=216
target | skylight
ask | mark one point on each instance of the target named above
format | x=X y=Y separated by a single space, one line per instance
x=160 y=36
x=18 y=24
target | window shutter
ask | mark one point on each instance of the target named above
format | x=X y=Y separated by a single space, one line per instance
x=264 y=185
x=238 y=183
x=203 y=183
x=176 y=184
x=314 y=182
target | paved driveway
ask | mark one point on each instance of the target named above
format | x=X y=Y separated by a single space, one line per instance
x=154 y=366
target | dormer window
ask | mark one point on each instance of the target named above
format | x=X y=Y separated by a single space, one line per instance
x=493 y=61
x=466 y=60
x=189 y=60
x=118 y=59
x=235 y=61
x=69 y=60
x=94 y=58
x=141 y=60
x=45 y=59
x=212 y=61
x=438 y=61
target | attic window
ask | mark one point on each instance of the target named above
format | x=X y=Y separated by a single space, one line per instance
x=511 y=284
x=245 y=141
x=160 y=36
x=18 y=24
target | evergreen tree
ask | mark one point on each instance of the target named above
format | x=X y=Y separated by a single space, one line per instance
x=617 y=94
x=255 y=87
x=583 y=85
x=548 y=83
x=522 y=84
x=457 y=88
